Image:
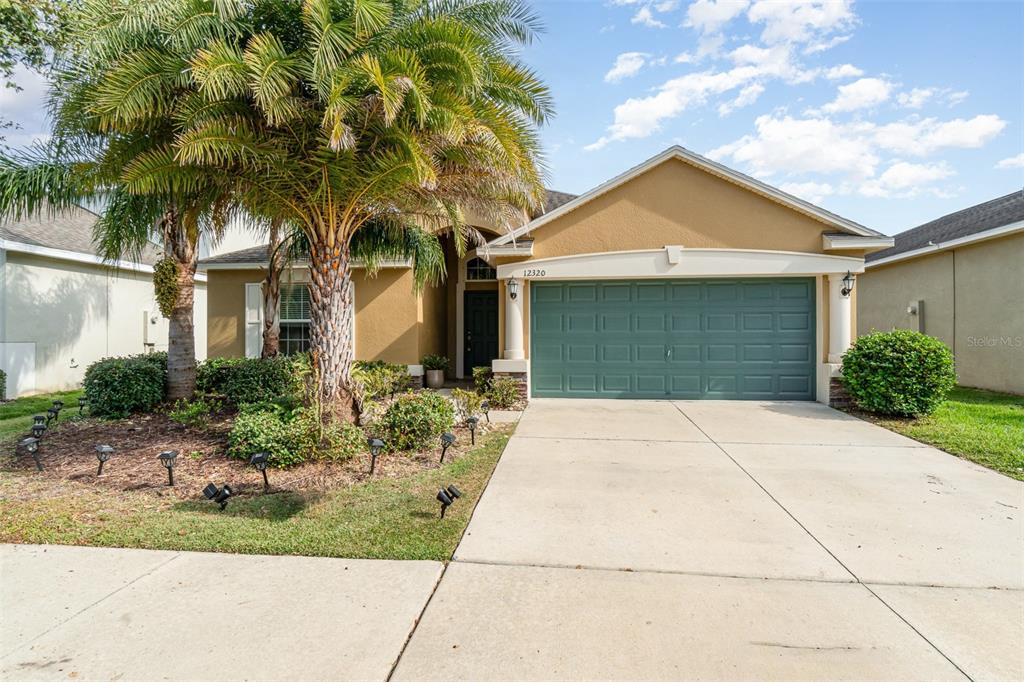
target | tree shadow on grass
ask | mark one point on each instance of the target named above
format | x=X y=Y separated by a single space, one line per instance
x=274 y=506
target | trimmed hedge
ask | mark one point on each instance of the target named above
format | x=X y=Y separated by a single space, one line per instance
x=291 y=436
x=243 y=381
x=414 y=420
x=118 y=387
x=902 y=372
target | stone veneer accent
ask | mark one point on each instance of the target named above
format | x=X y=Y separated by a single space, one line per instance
x=837 y=395
x=520 y=379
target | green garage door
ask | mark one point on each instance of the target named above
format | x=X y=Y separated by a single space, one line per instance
x=743 y=339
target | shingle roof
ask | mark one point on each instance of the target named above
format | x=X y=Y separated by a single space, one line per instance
x=986 y=216
x=554 y=199
x=69 y=230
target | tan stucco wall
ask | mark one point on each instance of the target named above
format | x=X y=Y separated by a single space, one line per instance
x=972 y=302
x=678 y=204
x=66 y=315
x=392 y=323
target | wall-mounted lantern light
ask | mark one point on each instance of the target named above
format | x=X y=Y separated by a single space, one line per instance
x=513 y=288
x=260 y=461
x=447 y=440
x=167 y=458
x=376 y=445
x=103 y=453
x=848 y=282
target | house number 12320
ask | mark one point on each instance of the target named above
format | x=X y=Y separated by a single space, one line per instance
x=534 y=273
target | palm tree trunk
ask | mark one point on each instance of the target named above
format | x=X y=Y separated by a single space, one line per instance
x=332 y=314
x=272 y=293
x=181 y=338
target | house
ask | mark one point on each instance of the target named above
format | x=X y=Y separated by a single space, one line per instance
x=62 y=307
x=959 y=278
x=679 y=278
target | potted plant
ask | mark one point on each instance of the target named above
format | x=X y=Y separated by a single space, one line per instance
x=435 y=365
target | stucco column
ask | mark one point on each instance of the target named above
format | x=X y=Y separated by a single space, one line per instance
x=514 y=325
x=839 y=319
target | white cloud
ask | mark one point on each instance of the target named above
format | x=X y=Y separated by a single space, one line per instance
x=860 y=94
x=801 y=21
x=607 y=28
x=684 y=58
x=823 y=45
x=814 y=192
x=843 y=71
x=708 y=16
x=955 y=98
x=747 y=96
x=666 y=5
x=645 y=16
x=626 y=65
x=1011 y=162
x=903 y=179
x=916 y=98
x=921 y=137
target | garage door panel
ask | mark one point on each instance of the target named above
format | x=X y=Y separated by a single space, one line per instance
x=734 y=339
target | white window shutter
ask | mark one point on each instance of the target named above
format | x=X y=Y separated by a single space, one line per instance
x=253 y=319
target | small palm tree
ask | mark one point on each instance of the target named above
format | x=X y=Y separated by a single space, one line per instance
x=370 y=125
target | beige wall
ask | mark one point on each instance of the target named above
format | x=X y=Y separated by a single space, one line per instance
x=60 y=316
x=678 y=204
x=973 y=301
x=392 y=322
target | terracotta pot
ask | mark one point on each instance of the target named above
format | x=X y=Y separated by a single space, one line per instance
x=435 y=378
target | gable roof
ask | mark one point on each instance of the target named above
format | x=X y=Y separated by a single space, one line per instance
x=676 y=152
x=68 y=230
x=983 y=217
x=249 y=256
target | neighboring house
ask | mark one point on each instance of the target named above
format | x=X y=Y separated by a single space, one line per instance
x=679 y=278
x=62 y=307
x=959 y=278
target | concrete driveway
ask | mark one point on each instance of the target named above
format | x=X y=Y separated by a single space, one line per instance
x=665 y=540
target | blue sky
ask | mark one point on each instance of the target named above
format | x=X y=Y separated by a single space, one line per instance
x=888 y=113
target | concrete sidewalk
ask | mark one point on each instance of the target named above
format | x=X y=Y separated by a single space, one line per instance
x=121 y=614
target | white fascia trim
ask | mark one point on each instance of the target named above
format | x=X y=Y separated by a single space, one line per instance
x=676 y=261
x=487 y=251
x=994 y=233
x=677 y=152
x=77 y=257
x=251 y=265
x=840 y=242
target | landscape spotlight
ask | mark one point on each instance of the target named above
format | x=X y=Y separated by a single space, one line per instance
x=260 y=461
x=471 y=422
x=31 y=446
x=38 y=430
x=83 y=403
x=485 y=407
x=103 y=453
x=447 y=440
x=445 y=499
x=376 y=445
x=218 y=495
x=453 y=492
x=167 y=458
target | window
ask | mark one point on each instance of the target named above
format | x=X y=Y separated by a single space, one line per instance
x=293 y=313
x=478 y=269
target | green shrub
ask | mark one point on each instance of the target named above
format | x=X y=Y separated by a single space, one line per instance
x=482 y=377
x=467 y=403
x=195 y=413
x=377 y=379
x=898 y=373
x=118 y=387
x=414 y=420
x=252 y=380
x=504 y=393
x=435 y=362
x=291 y=436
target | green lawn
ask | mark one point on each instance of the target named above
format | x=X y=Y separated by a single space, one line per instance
x=982 y=426
x=382 y=519
x=16 y=415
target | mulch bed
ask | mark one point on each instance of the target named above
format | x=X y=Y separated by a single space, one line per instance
x=68 y=454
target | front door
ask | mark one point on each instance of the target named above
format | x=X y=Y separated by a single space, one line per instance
x=481 y=317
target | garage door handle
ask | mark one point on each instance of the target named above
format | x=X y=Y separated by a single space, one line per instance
x=668 y=352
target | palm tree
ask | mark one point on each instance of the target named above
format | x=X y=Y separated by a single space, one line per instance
x=120 y=96
x=370 y=125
